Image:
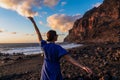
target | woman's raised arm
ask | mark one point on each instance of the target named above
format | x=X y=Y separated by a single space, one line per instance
x=36 y=28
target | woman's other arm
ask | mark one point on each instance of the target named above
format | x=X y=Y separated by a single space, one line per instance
x=36 y=28
x=73 y=61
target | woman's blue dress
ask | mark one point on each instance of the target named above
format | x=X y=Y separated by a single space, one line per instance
x=51 y=65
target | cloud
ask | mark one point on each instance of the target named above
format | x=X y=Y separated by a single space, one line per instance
x=61 y=10
x=62 y=22
x=63 y=3
x=44 y=13
x=23 y=7
x=2 y=30
x=29 y=34
x=97 y=4
x=34 y=34
x=41 y=22
x=44 y=34
x=51 y=3
x=26 y=7
x=13 y=32
x=61 y=34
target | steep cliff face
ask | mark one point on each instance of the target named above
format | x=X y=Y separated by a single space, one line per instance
x=100 y=24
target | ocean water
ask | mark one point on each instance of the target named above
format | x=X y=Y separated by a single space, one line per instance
x=29 y=48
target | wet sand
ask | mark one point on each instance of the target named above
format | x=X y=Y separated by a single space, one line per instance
x=103 y=59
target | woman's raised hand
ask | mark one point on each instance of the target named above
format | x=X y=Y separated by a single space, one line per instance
x=88 y=70
x=31 y=18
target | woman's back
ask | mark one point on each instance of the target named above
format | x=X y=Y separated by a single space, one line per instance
x=51 y=66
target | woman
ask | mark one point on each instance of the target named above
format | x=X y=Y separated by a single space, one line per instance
x=52 y=54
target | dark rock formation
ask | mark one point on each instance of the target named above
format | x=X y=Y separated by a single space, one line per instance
x=103 y=59
x=101 y=24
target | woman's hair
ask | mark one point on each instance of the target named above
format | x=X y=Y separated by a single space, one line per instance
x=50 y=35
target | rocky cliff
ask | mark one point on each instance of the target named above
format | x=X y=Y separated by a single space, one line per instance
x=101 y=24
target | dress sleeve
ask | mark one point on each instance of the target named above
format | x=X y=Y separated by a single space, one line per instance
x=61 y=52
x=43 y=42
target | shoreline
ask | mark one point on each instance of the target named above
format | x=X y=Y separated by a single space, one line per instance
x=103 y=59
x=29 y=49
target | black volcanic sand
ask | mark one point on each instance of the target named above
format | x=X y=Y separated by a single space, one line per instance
x=103 y=59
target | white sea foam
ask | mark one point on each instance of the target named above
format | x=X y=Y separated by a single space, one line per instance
x=35 y=50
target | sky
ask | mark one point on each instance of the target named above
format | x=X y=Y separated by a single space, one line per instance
x=58 y=15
